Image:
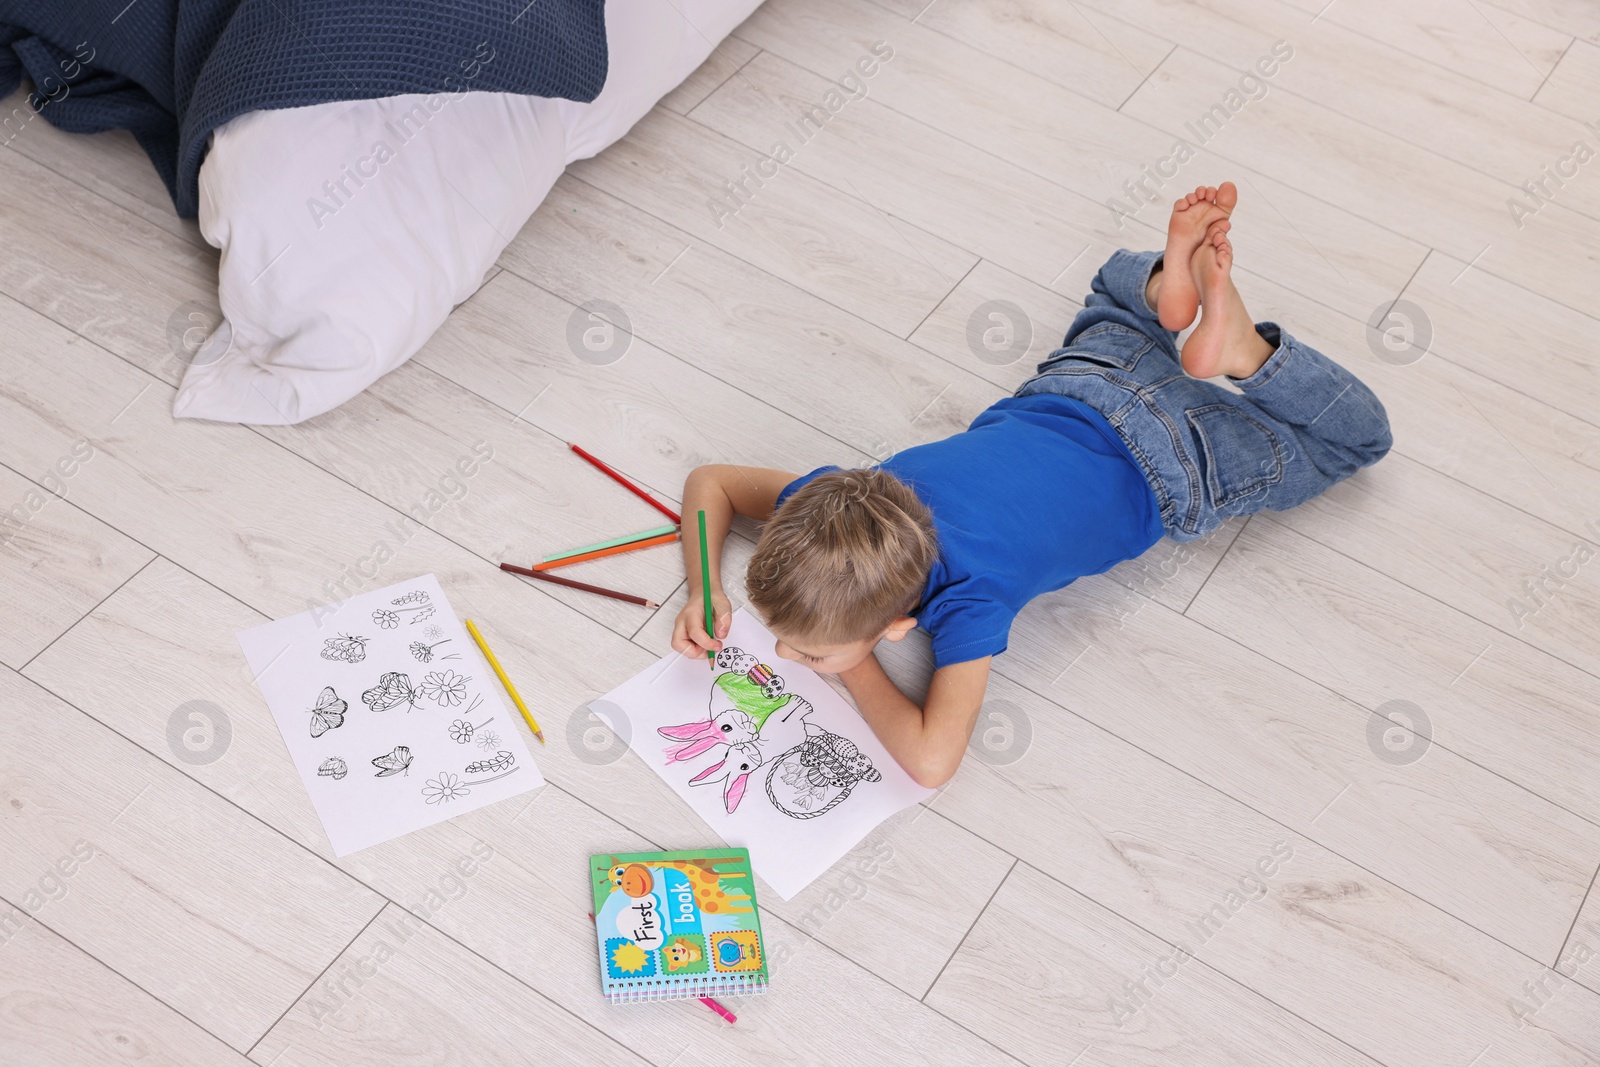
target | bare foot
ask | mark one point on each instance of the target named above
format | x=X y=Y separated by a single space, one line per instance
x=1192 y=216
x=1226 y=341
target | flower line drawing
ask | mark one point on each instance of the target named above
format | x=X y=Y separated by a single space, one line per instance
x=445 y=688
x=424 y=652
x=461 y=730
x=445 y=788
x=416 y=603
x=806 y=792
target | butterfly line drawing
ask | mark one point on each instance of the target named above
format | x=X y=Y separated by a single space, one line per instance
x=328 y=713
x=346 y=647
x=333 y=767
x=397 y=761
x=392 y=690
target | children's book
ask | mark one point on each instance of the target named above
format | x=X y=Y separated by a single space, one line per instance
x=677 y=924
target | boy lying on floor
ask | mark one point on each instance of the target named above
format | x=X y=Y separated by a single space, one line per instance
x=1117 y=440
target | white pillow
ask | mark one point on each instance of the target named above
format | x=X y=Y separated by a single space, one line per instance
x=349 y=230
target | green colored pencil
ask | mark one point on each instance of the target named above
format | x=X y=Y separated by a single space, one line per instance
x=705 y=591
x=625 y=540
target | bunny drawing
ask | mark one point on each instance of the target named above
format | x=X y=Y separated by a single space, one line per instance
x=743 y=697
x=729 y=727
x=736 y=766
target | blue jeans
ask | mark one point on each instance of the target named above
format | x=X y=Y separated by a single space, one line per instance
x=1302 y=424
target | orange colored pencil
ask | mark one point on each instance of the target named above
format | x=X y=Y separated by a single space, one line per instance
x=612 y=551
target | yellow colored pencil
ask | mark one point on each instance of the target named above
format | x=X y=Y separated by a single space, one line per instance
x=498 y=670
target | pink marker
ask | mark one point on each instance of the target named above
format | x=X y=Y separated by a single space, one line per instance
x=719 y=1009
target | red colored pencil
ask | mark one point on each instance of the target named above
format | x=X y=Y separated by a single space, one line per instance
x=612 y=593
x=634 y=489
x=649 y=542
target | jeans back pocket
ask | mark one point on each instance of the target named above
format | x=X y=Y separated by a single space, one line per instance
x=1243 y=456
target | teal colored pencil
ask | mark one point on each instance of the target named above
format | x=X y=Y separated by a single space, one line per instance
x=628 y=539
x=705 y=591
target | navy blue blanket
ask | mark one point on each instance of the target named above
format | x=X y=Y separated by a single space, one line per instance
x=169 y=71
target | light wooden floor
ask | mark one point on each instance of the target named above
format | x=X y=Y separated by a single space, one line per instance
x=1169 y=725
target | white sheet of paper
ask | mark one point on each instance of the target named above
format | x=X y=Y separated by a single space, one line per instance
x=802 y=773
x=389 y=712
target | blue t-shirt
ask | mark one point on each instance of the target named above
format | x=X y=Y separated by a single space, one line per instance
x=1037 y=492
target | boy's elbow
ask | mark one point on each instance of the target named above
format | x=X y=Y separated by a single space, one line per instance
x=931 y=772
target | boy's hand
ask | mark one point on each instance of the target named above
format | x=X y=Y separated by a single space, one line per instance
x=721 y=492
x=689 y=631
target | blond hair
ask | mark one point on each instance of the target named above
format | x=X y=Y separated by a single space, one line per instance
x=847 y=554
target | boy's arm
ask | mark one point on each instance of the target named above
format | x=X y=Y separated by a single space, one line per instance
x=928 y=742
x=721 y=491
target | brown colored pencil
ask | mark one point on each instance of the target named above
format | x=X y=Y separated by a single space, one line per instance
x=649 y=542
x=568 y=582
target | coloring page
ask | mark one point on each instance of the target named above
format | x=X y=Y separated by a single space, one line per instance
x=765 y=752
x=389 y=712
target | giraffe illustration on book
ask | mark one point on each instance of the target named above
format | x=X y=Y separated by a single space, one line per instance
x=705 y=876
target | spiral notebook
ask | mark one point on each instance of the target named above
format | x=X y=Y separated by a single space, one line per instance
x=677 y=924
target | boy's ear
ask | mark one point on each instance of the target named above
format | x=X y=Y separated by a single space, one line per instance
x=899 y=628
